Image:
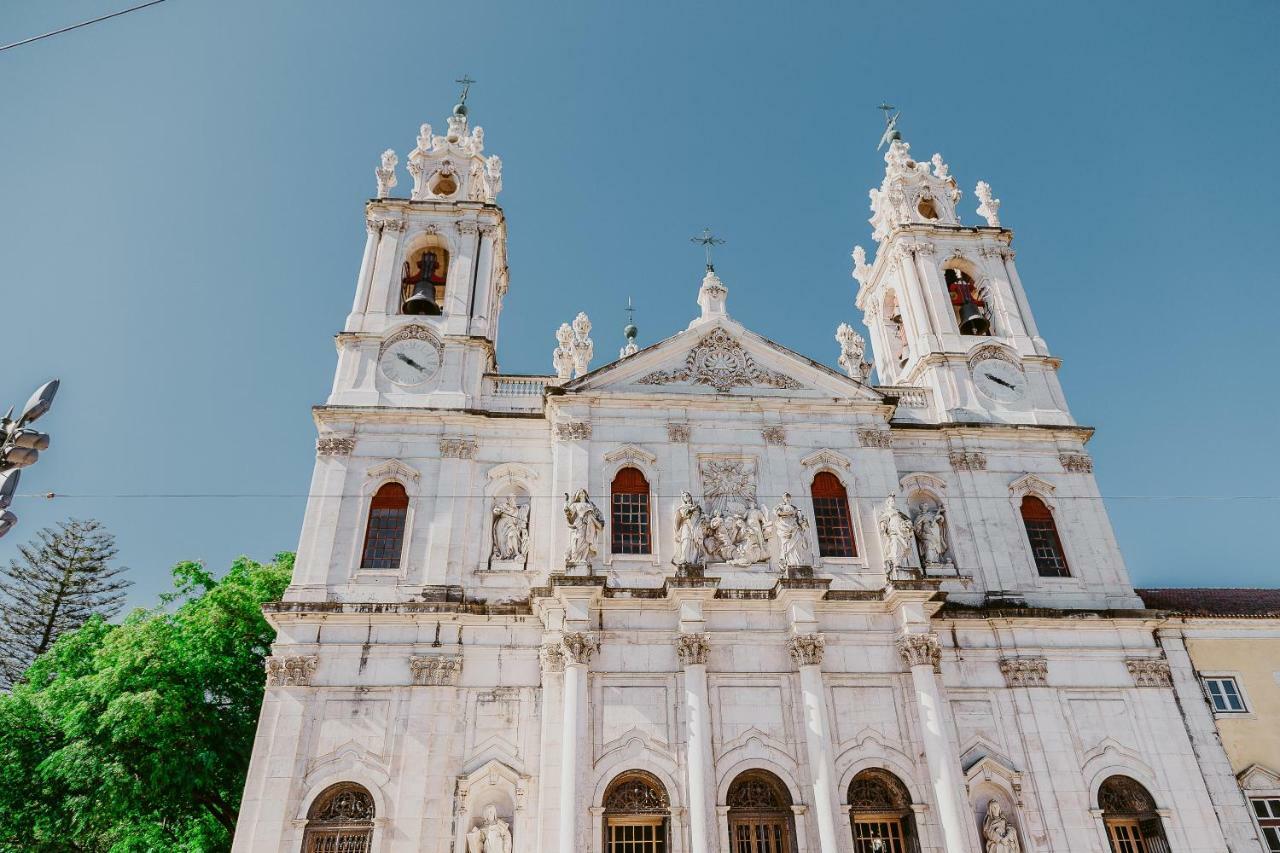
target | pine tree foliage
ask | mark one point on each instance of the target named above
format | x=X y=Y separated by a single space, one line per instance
x=61 y=579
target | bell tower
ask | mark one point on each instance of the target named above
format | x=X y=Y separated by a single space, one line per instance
x=424 y=325
x=943 y=301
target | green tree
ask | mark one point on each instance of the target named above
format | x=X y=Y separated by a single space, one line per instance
x=61 y=579
x=136 y=737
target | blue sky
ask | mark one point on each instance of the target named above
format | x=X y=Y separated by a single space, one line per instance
x=181 y=219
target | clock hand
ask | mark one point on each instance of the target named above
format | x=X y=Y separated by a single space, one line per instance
x=1000 y=381
x=410 y=362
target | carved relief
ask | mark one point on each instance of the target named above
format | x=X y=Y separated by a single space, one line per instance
x=721 y=362
x=875 y=438
x=573 y=431
x=335 y=445
x=551 y=657
x=735 y=528
x=1076 y=463
x=807 y=649
x=968 y=460
x=1025 y=672
x=920 y=650
x=1149 y=672
x=678 y=433
x=435 y=670
x=774 y=435
x=421 y=333
x=986 y=352
x=579 y=647
x=692 y=649
x=291 y=671
x=457 y=448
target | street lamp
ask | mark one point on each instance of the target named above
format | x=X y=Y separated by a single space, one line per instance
x=20 y=447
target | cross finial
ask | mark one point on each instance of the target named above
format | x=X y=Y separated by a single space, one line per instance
x=708 y=241
x=464 y=81
x=631 y=313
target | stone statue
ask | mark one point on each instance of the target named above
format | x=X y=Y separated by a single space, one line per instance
x=585 y=524
x=989 y=209
x=998 y=833
x=491 y=834
x=753 y=529
x=562 y=358
x=793 y=535
x=510 y=530
x=690 y=534
x=583 y=348
x=931 y=535
x=896 y=534
x=493 y=168
x=386 y=173
x=852 y=346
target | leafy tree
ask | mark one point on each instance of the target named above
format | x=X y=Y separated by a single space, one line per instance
x=62 y=578
x=136 y=737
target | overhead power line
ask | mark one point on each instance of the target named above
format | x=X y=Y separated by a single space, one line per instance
x=81 y=24
x=295 y=495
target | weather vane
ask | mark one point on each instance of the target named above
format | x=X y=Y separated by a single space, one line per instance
x=708 y=241
x=890 y=125
x=465 y=81
x=631 y=313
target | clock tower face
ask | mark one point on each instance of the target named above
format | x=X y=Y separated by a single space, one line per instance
x=410 y=362
x=999 y=380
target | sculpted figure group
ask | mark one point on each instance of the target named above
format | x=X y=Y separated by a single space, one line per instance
x=740 y=537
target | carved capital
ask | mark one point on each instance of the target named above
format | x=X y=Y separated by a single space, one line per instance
x=579 y=647
x=774 y=435
x=807 y=649
x=1149 y=672
x=551 y=657
x=435 y=670
x=486 y=228
x=678 y=433
x=573 y=431
x=874 y=438
x=1076 y=463
x=968 y=460
x=291 y=671
x=920 y=650
x=457 y=448
x=467 y=227
x=1025 y=672
x=919 y=248
x=335 y=445
x=693 y=648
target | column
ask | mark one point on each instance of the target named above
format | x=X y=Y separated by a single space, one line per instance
x=385 y=277
x=323 y=515
x=578 y=649
x=374 y=230
x=806 y=651
x=483 y=295
x=692 y=650
x=921 y=654
x=551 y=658
x=920 y=320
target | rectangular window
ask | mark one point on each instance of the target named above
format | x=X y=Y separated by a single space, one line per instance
x=636 y=836
x=872 y=835
x=630 y=533
x=1046 y=548
x=384 y=538
x=1267 y=811
x=1224 y=694
x=835 y=527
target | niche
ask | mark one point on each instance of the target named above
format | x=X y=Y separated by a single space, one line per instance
x=970 y=309
x=422 y=282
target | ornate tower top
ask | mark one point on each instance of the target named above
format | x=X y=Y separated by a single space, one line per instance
x=910 y=191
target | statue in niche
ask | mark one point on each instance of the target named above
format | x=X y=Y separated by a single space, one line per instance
x=491 y=834
x=931 y=534
x=896 y=533
x=423 y=291
x=690 y=534
x=510 y=529
x=998 y=833
x=793 y=535
x=585 y=524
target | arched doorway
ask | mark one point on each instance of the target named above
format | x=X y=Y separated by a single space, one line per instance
x=760 y=816
x=880 y=811
x=340 y=821
x=1129 y=814
x=637 y=814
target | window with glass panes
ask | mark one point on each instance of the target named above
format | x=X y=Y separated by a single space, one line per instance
x=1224 y=694
x=1042 y=533
x=384 y=534
x=831 y=517
x=1267 y=811
x=629 y=513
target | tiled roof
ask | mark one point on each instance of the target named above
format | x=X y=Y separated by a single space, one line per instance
x=1204 y=601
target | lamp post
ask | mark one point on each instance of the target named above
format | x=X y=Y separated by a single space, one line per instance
x=20 y=447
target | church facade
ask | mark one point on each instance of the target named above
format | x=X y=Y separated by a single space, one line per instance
x=712 y=595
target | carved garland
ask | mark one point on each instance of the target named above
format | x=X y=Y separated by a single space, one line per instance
x=636 y=794
x=992 y=351
x=335 y=445
x=435 y=670
x=1076 y=463
x=457 y=448
x=414 y=332
x=875 y=438
x=344 y=806
x=1149 y=672
x=573 y=431
x=291 y=671
x=721 y=362
x=1025 y=672
x=968 y=460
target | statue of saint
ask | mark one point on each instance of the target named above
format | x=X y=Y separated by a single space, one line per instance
x=793 y=535
x=753 y=537
x=931 y=536
x=510 y=530
x=896 y=534
x=491 y=834
x=999 y=835
x=690 y=533
x=585 y=524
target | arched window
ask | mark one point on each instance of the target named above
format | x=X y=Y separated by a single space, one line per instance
x=629 y=508
x=636 y=814
x=1129 y=813
x=1042 y=534
x=831 y=516
x=384 y=534
x=972 y=315
x=880 y=811
x=340 y=821
x=760 y=816
x=422 y=281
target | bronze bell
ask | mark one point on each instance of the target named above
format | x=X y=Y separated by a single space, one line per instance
x=422 y=300
x=972 y=320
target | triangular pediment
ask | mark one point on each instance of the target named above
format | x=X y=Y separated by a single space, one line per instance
x=722 y=357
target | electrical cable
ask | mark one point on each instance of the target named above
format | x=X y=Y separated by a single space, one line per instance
x=81 y=24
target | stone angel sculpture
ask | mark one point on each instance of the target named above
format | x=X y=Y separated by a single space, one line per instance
x=998 y=833
x=491 y=834
x=585 y=524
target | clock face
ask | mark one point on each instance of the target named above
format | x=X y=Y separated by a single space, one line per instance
x=410 y=362
x=999 y=380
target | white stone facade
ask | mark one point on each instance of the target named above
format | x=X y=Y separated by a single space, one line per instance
x=471 y=675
